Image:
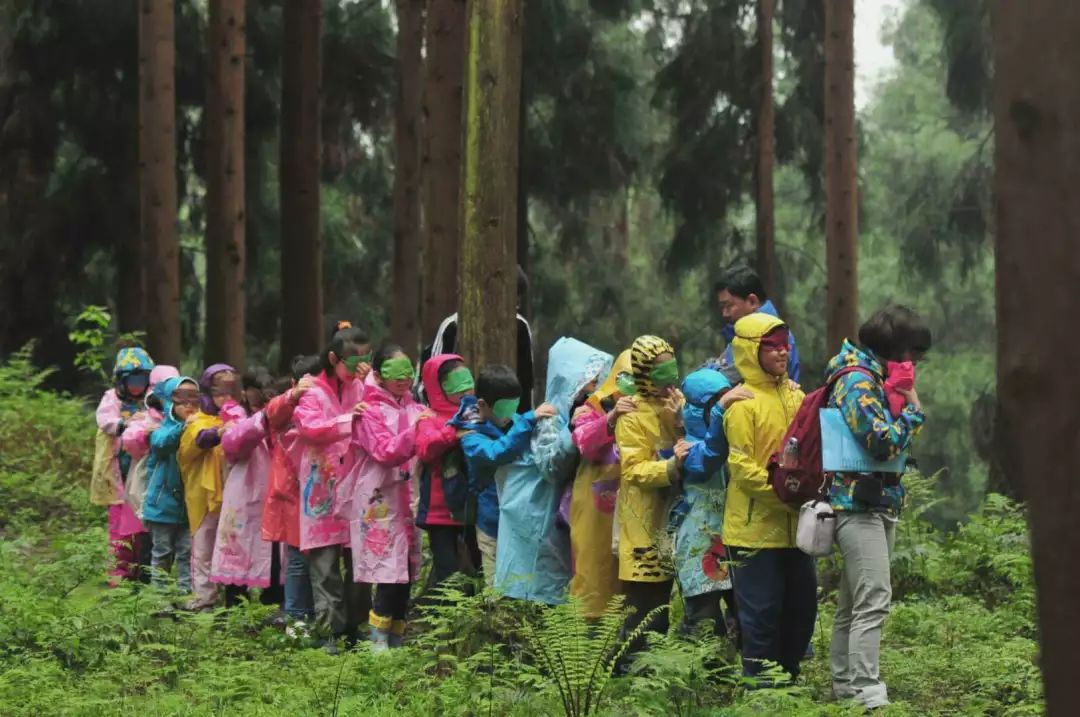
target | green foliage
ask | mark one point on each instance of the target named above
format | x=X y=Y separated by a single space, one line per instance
x=90 y=335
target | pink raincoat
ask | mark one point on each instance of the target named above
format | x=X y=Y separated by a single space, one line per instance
x=386 y=544
x=241 y=556
x=123 y=523
x=136 y=438
x=324 y=422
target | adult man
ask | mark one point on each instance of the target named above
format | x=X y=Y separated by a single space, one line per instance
x=739 y=293
x=445 y=342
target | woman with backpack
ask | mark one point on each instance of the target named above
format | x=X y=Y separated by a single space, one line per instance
x=868 y=505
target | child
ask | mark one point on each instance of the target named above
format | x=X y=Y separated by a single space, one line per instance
x=650 y=464
x=775 y=583
x=281 y=509
x=324 y=421
x=241 y=557
x=446 y=508
x=697 y=518
x=494 y=436
x=120 y=405
x=136 y=436
x=202 y=464
x=164 y=510
x=386 y=545
x=596 y=488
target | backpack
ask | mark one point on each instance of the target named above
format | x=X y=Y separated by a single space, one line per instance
x=795 y=471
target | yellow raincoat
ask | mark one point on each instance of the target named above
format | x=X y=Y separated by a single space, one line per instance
x=202 y=470
x=592 y=503
x=644 y=489
x=753 y=516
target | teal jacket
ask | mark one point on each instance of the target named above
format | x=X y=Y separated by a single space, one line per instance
x=164 y=501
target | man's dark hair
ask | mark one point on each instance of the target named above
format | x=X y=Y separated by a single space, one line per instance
x=496 y=382
x=449 y=367
x=741 y=281
x=894 y=331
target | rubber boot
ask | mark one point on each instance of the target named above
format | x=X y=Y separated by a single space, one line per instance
x=397 y=634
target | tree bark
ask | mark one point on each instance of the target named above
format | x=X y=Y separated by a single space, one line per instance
x=301 y=242
x=441 y=160
x=225 y=184
x=487 y=327
x=157 y=175
x=405 y=316
x=766 y=242
x=1037 y=165
x=841 y=198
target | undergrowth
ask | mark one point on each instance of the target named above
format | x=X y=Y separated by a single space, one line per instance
x=960 y=639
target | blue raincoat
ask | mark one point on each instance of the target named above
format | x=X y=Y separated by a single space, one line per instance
x=697 y=517
x=164 y=501
x=727 y=361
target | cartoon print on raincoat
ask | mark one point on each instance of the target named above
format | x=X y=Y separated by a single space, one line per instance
x=386 y=545
x=697 y=516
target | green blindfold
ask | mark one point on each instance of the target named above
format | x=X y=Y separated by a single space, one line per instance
x=624 y=382
x=665 y=374
x=353 y=362
x=396 y=369
x=459 y=380
x=505 y=408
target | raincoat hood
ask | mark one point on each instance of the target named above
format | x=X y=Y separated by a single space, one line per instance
x=164 y=391
x=132 y=360
x=206 y=401
x=609 y=387
x=571 y=366
x=160 y=373
x=642 y=355
x=749 y=331
x=433 y=389
x=467 y=416
x=850 y=356
x=699 y=388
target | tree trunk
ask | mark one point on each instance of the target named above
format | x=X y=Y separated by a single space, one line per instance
x=301 y=243
x=225 y=185
x=1037 y=165
x=441 y=171
x=524 y=302
x=157 y=177
x=766 y=251
x=405 y=316
x=841 y=199
x=487 y=327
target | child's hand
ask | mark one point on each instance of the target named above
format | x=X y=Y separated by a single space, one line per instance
x=580 y=413
x=793 y=385
x=682 y=450
x=426 y=414
x=546 y=410
x=221 y=430
x=302 y=386
x=359 y=409
x=739 y=393
x=911 y=397
x=624 y=406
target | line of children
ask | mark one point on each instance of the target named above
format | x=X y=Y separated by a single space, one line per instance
x=344 y=468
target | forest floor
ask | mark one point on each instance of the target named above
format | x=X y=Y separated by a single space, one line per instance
x=961 y=638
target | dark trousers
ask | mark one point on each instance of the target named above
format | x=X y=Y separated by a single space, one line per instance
x=776 y=594
x=274 y=593
x=643 y=598
x=446 y=559
x=391 y=600
x=708 y=608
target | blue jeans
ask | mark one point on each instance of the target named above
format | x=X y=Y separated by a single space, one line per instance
x=776 y=594
x=170 y=544
x=299 y=603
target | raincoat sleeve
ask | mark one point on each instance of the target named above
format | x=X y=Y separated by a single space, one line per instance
x=315 y=427
x=243 y=437
x=136 y=437
x=743 y=467
x=592 y=437
x=638 y=435
x=483 y=451
x=552 y=448
x=433 y=439
x=862 y=405
x=207 y=438
x=166 y=439
x=279 y=411
x=108 y=414
x=708 y=456
x=383 y=445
